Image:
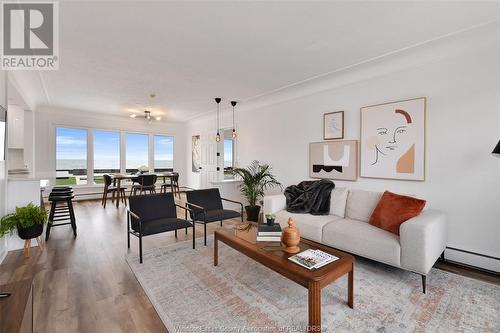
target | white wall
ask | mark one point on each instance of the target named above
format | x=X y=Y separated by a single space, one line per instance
x=461 y=81
x=3 y=167
x=48 y=118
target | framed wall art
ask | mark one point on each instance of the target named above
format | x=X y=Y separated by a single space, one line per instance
x=333 y=125
x=334 y=160
x=195 y=153
x=393 y=140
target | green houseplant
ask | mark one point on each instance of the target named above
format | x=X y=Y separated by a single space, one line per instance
x=256 y=179
x=29 y=221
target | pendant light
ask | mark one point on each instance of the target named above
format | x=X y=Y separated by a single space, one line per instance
x=233 y=103
x=217 y=100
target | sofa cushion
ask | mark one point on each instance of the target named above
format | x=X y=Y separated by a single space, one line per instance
x=360 y=204
x=310 y=226
x=338 y=200
x=394 y=209
x=363 y=239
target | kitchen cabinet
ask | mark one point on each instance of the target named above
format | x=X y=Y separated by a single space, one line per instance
x=15 y=125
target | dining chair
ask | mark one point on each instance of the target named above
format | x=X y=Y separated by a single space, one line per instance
x=115 y=191
x=173 y=184
x=146 y=183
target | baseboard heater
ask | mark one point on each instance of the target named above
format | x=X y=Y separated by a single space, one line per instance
x=472 y=266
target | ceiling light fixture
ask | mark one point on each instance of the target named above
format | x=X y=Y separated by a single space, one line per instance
x=147 y=113
x=218 y=100
x=233 y=103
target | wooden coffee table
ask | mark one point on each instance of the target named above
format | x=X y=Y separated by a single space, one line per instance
x=270 y=255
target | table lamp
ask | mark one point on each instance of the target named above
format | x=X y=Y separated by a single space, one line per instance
x=496 y=151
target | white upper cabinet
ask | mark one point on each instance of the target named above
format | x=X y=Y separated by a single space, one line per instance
x=15 y=125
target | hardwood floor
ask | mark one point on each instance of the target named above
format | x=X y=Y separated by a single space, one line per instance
x=85 y=285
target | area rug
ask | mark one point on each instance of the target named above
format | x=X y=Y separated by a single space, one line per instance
x=240 y=295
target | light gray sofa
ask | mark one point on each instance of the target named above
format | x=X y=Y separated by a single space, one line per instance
x=422 y=239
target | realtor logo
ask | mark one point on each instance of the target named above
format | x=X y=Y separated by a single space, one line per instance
x=30 y=36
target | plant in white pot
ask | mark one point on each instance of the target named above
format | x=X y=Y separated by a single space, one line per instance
x=256 y=179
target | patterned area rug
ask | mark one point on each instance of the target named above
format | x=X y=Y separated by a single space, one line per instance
x=240 y=295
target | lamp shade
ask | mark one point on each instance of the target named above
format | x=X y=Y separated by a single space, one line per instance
x=496 y=151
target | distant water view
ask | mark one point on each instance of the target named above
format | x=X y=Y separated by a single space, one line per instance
x=72 y=164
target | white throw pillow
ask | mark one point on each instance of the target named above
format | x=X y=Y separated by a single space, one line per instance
x=361 y=204
x=338 y=201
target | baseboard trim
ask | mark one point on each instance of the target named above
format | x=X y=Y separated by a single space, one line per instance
x=474 y=253
x=472 y=268
x=473 y=260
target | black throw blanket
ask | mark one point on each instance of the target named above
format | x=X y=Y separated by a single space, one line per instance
x=311 y=197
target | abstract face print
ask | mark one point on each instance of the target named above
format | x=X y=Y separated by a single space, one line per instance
x=393 y=140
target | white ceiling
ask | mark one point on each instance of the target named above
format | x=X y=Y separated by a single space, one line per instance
x=114 y=54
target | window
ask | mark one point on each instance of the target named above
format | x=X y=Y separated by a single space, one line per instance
x=136 y=151
x=71 y=156
x=106 y=154
x=228 y=154
x=164 y=153
x=228 y=143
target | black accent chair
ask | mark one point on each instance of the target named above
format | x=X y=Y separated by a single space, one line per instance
x=146 y=183
x=153 y=214
x=207 y=207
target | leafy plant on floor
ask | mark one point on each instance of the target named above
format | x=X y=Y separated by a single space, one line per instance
x=256 y=179
x=23 y=217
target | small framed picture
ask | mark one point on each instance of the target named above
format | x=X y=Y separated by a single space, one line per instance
x=333 y=125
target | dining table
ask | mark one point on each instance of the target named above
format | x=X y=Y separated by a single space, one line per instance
x=118 y=177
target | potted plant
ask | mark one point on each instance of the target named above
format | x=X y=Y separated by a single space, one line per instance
x=270 y=219
x=29 y=221
x=256 y=179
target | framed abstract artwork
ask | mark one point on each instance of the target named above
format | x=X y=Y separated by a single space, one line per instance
x=393 y=140
x=333 y=125
x=334 y=160
x=195 y=153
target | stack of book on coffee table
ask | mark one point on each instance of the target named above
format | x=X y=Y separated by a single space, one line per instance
x=269 y=233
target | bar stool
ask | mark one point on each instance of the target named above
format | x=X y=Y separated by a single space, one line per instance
x=61 y=209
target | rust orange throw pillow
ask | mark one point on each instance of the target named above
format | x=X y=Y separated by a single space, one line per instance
x=394 y=209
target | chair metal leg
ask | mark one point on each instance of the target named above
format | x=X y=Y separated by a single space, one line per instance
x=194 y=236
x=423 y=283
x=105 y=198
x=72 y=217
x=186 y=230
x=140 y=248
x=176 y=233
x=205 y=233
x=221 y=223
x=128 y=231
x=51 y=219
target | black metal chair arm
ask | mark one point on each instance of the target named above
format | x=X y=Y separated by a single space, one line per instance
x=195 y=206
x=185 y=208
x=236 y=202
x=134 y=215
